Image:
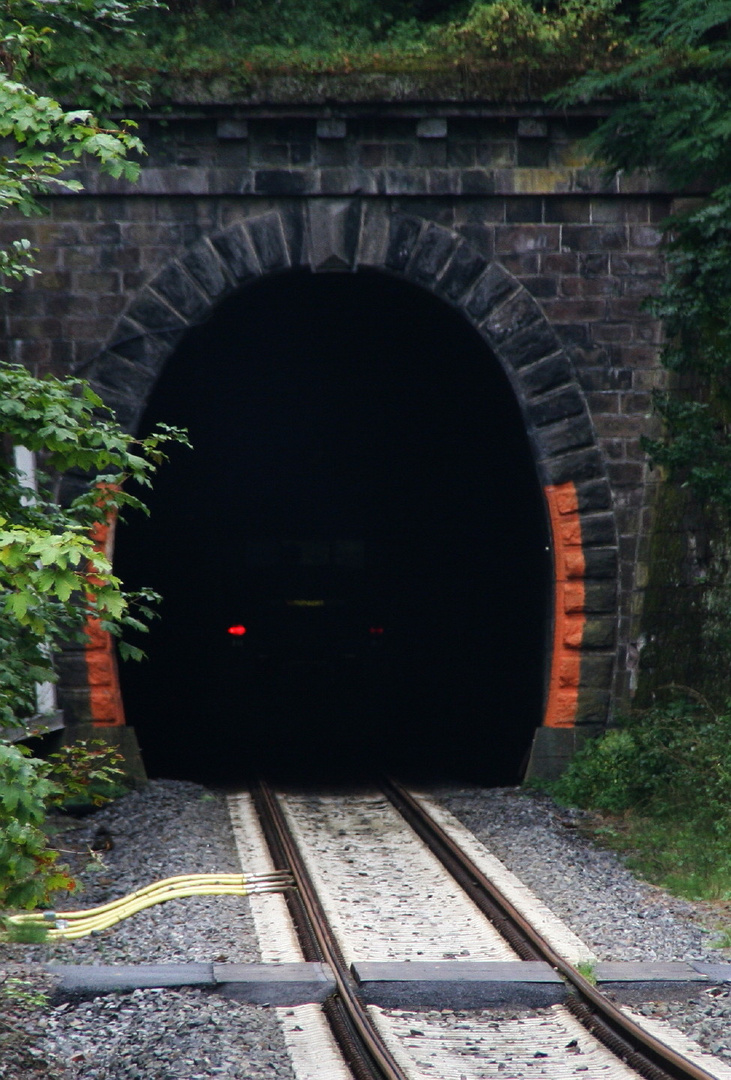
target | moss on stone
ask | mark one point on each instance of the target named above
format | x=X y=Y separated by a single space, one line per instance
x=686 y=621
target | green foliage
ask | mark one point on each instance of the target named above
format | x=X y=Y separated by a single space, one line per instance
x=53 y=575
x=23 y=994
x=665 y=776
x=28 y=867
x=675 y=116
x=580 y=32
x=669 y=761
x=30 y=933
x=67 y=41
x=244 y=43
x=86 y=773
x=587 y=968
x=60 y=45
x=81 y=774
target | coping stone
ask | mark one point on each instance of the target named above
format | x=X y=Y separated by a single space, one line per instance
x=331 y=128
x=638 y=981
x=274 y=984
x=87 y=980
x=458 y=984
x=257 y=984
x=716 y=972
x=431 y=127
x=616 y=971
x=232 y=129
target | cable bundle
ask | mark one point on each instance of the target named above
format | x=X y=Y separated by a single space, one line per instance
x=75 y=924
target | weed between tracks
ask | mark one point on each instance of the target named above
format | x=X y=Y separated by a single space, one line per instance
x=23 y=1004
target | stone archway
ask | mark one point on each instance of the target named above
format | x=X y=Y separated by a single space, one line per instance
x=344 y=235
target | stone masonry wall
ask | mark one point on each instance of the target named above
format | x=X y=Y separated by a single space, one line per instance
x=513 y=185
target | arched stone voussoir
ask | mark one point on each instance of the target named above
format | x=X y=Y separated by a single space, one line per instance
x=375 y=229
x=556 y=405
x=153 y=314
x=518 y=316
x=113 y=374
x=127 y=408
x=236 y=250
x=432 y=253
x=403 y=233
x=149 y=349
x=543 y=376
x=491 y=289
x=333 y=233
x=204 y=264
x=269 y=242
x=563 y=436
x=465 y=267
x=574 y=468
x=181 y=292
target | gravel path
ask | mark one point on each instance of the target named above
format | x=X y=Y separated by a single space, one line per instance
x=619 y=917
x=193 y=1034
x=169 y=828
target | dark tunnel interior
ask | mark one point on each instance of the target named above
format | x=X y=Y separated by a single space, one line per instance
x=353 y=558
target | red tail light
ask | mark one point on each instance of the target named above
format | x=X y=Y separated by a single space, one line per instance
x=237 y=631
x=375 y=631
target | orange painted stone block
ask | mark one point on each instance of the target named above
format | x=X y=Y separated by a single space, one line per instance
x=574 y=597
x=105 y=698
x=565 y=709
x=571 y=531
x=569 y=618
x=565 y=498
x=569 y=670
x=97 y=637
x=104 y=703
x=574 y=632
x=574 y=562
x=99 y=667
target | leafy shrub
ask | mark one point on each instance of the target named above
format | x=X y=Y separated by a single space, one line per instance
x=28 y=870
x=244 y=43
x=512 y=30
x=668 y=762
x=83 y=773
x=665 y=779
x=53 y=573
x=87 y=774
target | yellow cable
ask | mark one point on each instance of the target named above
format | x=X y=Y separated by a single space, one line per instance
x=73 y=924
x=163 y=886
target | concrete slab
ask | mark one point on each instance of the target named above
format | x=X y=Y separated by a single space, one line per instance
x=412 y=984
x=716 y=973
x=612 y=971
x=458 y=984
x=633 y=982
x=88 y=980
x=258 y=984
x=274 y=984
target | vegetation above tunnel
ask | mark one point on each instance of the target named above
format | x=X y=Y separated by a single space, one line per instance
x=497 y=49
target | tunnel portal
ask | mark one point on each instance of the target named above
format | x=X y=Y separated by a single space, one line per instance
x=354 y=558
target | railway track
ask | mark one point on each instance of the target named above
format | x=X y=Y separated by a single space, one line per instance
x=370 y=879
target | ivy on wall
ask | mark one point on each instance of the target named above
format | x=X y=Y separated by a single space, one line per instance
x=673 y=114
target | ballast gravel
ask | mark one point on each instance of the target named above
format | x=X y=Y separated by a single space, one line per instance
x=168 y=828
x=618 y=916
x=174 y=827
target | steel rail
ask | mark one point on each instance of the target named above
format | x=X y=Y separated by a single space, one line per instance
x=643 y=1052
x=359 y=1041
